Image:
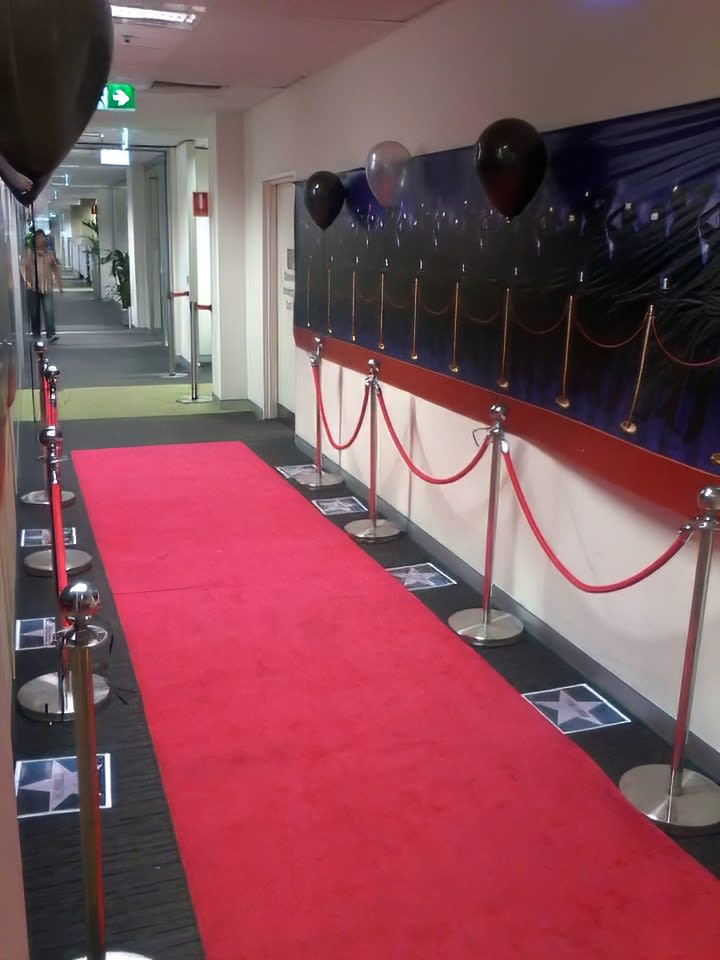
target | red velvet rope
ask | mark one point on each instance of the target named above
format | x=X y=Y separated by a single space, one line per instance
x=321 y=405
x=416 y=470
x=674 y=547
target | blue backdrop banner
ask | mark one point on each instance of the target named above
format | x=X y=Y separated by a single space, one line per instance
x=601 y=301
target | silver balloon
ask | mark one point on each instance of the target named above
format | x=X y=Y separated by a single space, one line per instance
x=386 y=171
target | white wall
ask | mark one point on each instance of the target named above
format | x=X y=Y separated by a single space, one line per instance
x=181 y=168
x=137 y=245
x=436 y=84
x=202 y=258
x=105 y=199
x=233 y=356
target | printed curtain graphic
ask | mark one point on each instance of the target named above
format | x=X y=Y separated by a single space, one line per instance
x=600 y=302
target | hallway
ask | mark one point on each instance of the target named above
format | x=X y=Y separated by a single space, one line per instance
x=108 y=370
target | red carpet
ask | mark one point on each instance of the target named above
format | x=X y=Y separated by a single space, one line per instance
x=346 y=778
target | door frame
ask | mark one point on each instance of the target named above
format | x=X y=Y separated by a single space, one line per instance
x=270 y=297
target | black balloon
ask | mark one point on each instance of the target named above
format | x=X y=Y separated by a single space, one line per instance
x=54 y=61
x=324 y=197
x=510 y=159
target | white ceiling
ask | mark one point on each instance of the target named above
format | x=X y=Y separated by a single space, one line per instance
x=250 y=48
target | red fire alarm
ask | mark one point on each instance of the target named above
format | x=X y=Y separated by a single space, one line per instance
x=200 y=204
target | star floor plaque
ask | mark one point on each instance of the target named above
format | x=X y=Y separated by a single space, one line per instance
x=299 y=472
x=50 y=786
x=576 y=708
x=335 y=506
x=43 y=538
x=421 y=576
x=36 y=633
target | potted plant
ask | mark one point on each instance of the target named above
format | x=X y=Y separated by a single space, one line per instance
x=92 y=252
x=120 y=271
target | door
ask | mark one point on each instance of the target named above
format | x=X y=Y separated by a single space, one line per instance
x=285 y=298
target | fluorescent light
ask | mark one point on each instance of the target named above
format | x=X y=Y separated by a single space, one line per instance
x=117 y=158
x=176 y=17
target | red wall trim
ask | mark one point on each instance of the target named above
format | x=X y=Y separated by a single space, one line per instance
x=656 y=479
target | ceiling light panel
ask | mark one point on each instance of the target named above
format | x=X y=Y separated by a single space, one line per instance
x=172 y=15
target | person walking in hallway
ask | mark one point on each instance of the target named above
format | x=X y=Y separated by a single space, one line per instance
x=41 y=273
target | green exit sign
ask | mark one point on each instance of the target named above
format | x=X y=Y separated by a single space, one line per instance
x=117 y=96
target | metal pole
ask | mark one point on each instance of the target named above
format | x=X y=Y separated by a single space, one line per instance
x=353 y=302
x=413 y=349
x=681 y=800
x=54 y=456
x=42 y=563
x=89 y=792
x=172 y=356
x=194 y=357
x=315 y=361
x=373 y=530
x=628 y=425
x=41 y=355
x=697 y=615
x=51 y=378
x=456 y=310
x=372 y=499
x=381 y=338
x=498 y=438
x=484 y=626
x=562 y=399
x=80 y=602
x=194 y=350
x=321 y=478
x=47 y=697
x=502 y=380
x=48 y=411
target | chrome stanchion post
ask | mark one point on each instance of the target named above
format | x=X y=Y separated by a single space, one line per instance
x=48 y=698
x=40 y=349
x=322 y=478
x=47 y=383
x=194 y=358
x=41 y=563
x=79 y=603
x=193 y=351
x=485 y=626
x=683 y=801
x=373 y=530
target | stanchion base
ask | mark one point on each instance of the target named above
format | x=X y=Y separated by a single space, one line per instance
x=324 y=480
x=41 y=563
x=500 y=629
x=39 y=498
x=196 y=400
x=696 y=809
x=39 y=698
x=368 y=532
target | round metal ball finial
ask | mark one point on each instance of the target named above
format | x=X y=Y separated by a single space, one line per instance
x=498 y=411
x=709 y=500
x=80 y=601
x=49 y=435
x=52 y=371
